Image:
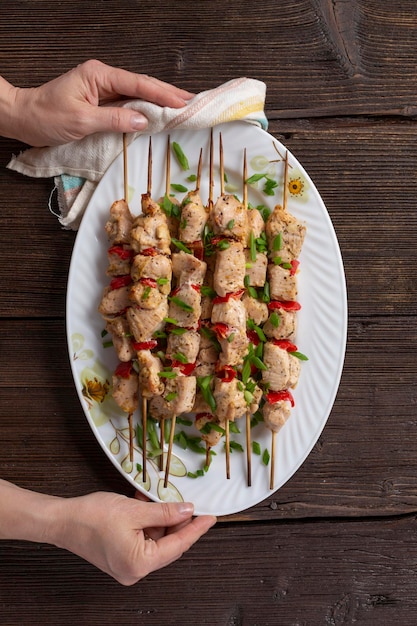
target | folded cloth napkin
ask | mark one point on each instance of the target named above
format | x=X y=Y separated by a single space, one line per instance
x=77 y=167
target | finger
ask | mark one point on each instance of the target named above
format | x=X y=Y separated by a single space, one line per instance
x=113 y=119
x=157 y=532
x=112 y=80
x=170 y=547
x=165 y=514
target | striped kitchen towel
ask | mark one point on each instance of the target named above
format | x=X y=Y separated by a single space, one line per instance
x=77 y=167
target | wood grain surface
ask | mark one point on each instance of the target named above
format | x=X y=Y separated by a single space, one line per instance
x=337 y=544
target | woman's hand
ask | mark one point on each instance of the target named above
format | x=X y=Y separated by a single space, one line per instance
x=67 y=108
x=125 y=537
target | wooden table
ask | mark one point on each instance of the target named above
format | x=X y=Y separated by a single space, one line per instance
x=338 y=543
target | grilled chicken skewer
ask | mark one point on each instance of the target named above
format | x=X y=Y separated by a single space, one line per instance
x=152 y=273
x=229 y=220
x=185 y=309
x=285 y=237
x=115 y=301
x=248 y=425
x=126 y=199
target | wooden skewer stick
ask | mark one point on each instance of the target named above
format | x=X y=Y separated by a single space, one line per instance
x=248 y=429
x=131 y=436
x=285 y=198
x=221 y=165
x=168 y=168
x=144 y=429
x=125 y=175
x=221 y=160
x=167 y=191
x=211 y=174
x=284 y=206
x=144 y=400
x=126 y=196
x=272 y=476
x=149 y=186
x=170 y=444
x=227 y=448
x=200 y=165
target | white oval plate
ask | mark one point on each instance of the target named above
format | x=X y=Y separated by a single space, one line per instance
x=322 y=320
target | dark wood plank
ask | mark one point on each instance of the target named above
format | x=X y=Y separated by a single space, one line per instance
x=348 y=572
x=318 y=57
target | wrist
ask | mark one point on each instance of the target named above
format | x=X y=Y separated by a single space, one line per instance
x=8 y=113
x=29 y=516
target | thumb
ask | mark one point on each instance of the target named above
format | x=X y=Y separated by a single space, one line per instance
x=166 y=514
x=116 y=119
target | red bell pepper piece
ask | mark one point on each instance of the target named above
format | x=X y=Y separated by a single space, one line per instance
x=233 y=294
x=123 y=370
x=294 y=266
x=226 y=374
x=185 y=368
x=120 y=281
x=144 y=345
x=285 y=344
x=277 y=396
x=287 y=305
x=123 y=253
x=222 y=330
x=198 y=249
x=253 y=337
x=150 y=252
x=149 y=282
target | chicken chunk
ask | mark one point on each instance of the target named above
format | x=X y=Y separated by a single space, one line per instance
x=143 y=323
x=207 y=357
x=194 y=217
x=121 y=337
x=212 y=437
x=275 y=415
x=188 y=269
x=257 y=397
x=151 y=232
x=256 y=270
x=146 y=297
x=256 y=224
x=182 y=390
x=114 y=301
x=255 y=309
x=234 y=347
x=232 y=313
x=277 y=362
x=156 y=267
x=150 y=384
x=282 y=285
x=230 y=270
x=185 y=306
x=230 y=401
x=287 y=325
x=200 y=405
x=186 y=345
x=119 y=225
x=291 y=232
x=230 y=218
x=119 y=260
x=125 y=392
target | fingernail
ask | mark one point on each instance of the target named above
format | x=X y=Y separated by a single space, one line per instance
x=138 y=121
x=186 y=508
